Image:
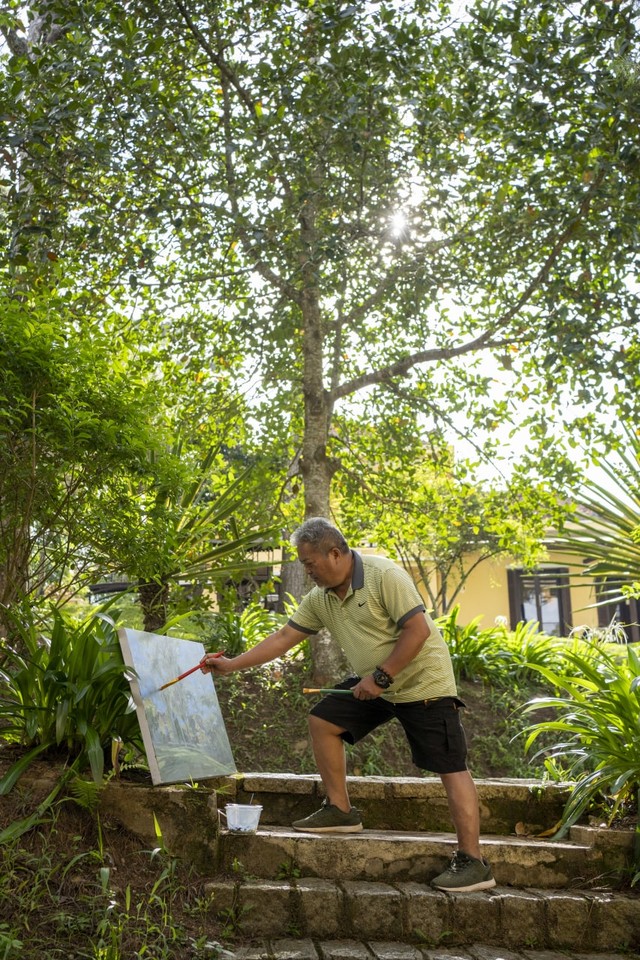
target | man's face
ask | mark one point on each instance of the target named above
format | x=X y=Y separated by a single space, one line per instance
x=325 y=569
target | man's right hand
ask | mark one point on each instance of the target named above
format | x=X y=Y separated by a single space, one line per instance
x=275 y=645
x=216 y=663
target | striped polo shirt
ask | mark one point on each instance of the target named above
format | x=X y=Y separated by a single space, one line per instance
x=367 y=623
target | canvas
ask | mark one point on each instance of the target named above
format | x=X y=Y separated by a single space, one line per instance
x=182 y=727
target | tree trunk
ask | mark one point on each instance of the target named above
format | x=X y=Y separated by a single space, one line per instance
x=154 y=600
x=316 y=466
x=292 y=580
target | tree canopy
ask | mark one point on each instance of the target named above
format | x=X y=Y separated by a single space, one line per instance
x=352 y=209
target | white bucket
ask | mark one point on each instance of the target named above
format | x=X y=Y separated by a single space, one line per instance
x=243 y=816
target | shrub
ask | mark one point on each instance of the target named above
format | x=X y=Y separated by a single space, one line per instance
x=66 y=688
x=597 y=719
x=525 y=648
x=474 y=652
x=235 y=631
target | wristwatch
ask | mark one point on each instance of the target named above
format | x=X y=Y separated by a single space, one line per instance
x=381 y=678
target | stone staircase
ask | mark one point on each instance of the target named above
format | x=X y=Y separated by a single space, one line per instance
x=551 y=895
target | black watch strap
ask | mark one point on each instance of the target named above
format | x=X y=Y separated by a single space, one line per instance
x=381 y=678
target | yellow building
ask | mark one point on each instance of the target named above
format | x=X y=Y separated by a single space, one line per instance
x=502 y=588
x=559 y=603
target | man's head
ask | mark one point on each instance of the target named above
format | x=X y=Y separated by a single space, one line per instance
x=323 y=552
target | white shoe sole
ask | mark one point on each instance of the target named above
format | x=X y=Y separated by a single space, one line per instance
x=348 y=828
x=481 y=885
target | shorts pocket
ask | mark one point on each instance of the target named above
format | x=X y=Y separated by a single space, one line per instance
x=456 y=739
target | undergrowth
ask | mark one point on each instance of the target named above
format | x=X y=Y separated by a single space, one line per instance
x=80 y=890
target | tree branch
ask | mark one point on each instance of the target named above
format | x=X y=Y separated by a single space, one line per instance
x=230 y=76
x=484 y=341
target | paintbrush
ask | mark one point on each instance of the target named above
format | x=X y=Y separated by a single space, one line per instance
x=187 y=672
x=325 y=690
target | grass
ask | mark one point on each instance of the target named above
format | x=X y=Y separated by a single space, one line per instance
x=79 y=890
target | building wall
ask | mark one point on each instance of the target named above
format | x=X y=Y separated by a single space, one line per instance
x=486 y=593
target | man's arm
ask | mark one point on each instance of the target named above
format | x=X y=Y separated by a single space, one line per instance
x=413 y=635
x=273 y=646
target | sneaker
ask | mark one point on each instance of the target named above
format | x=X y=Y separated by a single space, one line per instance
x=464 y=875
x=330 y=819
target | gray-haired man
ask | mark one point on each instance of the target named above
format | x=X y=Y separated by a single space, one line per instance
x=403 y=670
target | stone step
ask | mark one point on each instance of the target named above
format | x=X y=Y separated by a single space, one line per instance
x=399 y=856
x=412 y=913
x=307 y=949
x=402 y=803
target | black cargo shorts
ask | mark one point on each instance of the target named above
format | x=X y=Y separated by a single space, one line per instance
x=433 y=727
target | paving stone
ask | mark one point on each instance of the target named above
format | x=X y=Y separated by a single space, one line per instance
x=427 y=912
x=265 y=907
x=604 y=956
x=344 y=950
x=293 y=950
x=223 y=894
x=619 y=914
x=320 y=906
x=442 y=953
x=493 y=953
x=522 y=917
x=279 y=783
x=553 y=955
x=374 y=904
x=395 y=951
x=253 y=953
x=475 y=918
x=415 y=787
x=367 y=788
x=569 y=920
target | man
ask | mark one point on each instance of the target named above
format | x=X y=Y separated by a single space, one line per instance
x=373 y=610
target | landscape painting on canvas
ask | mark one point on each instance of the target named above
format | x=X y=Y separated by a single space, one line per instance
x=182 y=727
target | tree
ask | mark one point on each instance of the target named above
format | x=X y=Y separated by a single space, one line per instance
x=429 y=510
x=373 y=193
x=90 y=397
x=88 y=479
x=181 y=530
x=71 y=416
x=367 y=198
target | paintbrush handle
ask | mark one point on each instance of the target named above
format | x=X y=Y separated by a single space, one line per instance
x=186 y=673
x=181 y=677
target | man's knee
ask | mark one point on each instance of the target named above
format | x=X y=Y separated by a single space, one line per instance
x=323 y=728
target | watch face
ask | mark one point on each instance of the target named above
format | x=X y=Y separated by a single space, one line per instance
x=381 y=679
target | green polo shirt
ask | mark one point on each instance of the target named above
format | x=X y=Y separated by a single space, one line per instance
x=367 y=623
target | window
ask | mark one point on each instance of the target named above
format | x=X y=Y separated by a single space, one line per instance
x=612 y=606
x=541 y=595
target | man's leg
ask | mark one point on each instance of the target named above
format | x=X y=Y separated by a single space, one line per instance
x=463 y=807
x=468 y=870
x=328 y=750
x=336 y=815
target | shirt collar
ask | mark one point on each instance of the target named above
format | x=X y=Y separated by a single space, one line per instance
x=357 y=577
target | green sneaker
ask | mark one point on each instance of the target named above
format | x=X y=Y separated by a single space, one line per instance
x=330 y=819
x=464 y=875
